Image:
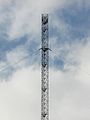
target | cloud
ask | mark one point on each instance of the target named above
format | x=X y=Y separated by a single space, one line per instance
x=69 y=73
x=69 y=24
x=4 y=2
x=70 y=89
x=19 y=97
x=22 y=13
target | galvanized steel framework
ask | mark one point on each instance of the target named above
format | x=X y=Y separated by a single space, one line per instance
x=44 y=69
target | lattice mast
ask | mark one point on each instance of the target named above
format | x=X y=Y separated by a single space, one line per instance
x=45 y=69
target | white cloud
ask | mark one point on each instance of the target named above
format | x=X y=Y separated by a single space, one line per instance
x=69 y=92
x=27 y=16
x=4 y=2
x=70 y=89
x=17 y=54
x=19 y=97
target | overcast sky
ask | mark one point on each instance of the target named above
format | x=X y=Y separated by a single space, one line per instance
x=20 y=36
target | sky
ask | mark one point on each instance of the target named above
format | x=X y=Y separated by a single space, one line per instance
x=20 y=70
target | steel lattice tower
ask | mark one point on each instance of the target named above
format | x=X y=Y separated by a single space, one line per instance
x=45 y=69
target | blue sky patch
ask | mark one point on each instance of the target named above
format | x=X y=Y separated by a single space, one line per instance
x=76 y=19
